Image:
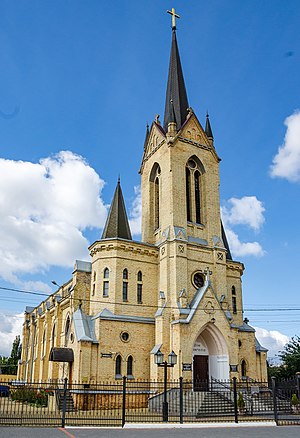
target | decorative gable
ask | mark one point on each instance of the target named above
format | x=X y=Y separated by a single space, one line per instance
x=193 y=131
x=155 y=139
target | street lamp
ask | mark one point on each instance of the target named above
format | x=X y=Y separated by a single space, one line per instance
x=55 y=284
x=159 y=361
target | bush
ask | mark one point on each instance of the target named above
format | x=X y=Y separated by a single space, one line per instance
x=295 y=401
x=241 y=401
x=32 y=396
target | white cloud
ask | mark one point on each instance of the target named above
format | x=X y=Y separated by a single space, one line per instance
x=244 y=211
x=273 y=340
x=44 y=209
x=248 y=211
x=242 y=249
x=286 y=163
x=135 y=220
x=10 y=327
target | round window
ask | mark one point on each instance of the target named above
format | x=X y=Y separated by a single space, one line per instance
x=198 y=280
x=125 y=336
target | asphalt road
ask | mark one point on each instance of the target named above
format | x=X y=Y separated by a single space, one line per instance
x=215 y=432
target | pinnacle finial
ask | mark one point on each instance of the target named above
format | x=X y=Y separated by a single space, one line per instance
x=174 y=16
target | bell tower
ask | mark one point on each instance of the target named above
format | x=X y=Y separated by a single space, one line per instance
x=180 y=170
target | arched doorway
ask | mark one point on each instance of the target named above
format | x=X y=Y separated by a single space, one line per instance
x=210 y=357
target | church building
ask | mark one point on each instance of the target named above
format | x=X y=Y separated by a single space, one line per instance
x=177 y=290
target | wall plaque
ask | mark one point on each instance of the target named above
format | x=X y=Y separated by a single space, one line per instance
x=186 y=367
x=108 y=355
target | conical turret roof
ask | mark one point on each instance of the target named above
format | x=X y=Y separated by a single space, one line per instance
x=117 y=222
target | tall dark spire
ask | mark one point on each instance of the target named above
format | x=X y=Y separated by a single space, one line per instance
x=176 y=88
x=208 y=130
x=117 y=222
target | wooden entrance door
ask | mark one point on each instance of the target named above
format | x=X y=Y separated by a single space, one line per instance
x=200 y=372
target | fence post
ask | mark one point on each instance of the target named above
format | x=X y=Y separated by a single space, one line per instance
x=64 y=405
x=181 y=400
x=124 y=402
x=235 y=401
x=274 y=400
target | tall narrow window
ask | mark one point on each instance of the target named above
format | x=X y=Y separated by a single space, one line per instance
x=129 y=366
x=243 y=368
x=106 y=282
x=44 y=343
x=197 y=197
x=53 y=334
x=188 y=194
x=67 y=330
x=194 y=171
x=118 y=366
x=233 y=299
x=125 y=285
x=139 y=287
x=156 y=202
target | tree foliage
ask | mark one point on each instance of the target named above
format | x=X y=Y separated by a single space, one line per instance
x=290 y=358
x=9 y=365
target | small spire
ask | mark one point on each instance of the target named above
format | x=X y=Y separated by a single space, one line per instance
x=208 y=130
x=146 y=136
x=172 y=117
x=117 y=222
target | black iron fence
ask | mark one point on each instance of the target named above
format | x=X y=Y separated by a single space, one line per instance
x=131 y=401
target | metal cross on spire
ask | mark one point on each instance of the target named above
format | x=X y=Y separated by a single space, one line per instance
x=174 y=16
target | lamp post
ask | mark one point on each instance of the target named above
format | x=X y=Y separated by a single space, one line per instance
x=159 y=361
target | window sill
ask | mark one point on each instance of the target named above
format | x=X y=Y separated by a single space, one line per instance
x=130 y=377
x=105 y=296
x=195 y=225
x=118 y=377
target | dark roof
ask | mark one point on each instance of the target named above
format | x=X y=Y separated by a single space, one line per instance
x=117 y=222
x=225 y=241
x=175 y=89
x=208 y=130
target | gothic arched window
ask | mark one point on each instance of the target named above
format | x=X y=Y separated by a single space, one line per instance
x=243 y=368
x=129 y=366
x=155 y=195
x=106 y=282
x=193 y=173
x=44 y=343
x=188 y=194
x=125 y=285
x=118 y=366
x=139 y=287
x=67 y=330
x=233 y=299
x=53 y=334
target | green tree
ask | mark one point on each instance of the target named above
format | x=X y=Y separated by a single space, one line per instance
x=290 y=356
x=9 y=365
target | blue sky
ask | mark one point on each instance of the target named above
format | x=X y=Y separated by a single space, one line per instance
x=86 y=77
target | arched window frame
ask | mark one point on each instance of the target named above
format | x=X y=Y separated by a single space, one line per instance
x=53 y=335
x=139 y=291
x=130 y=366
x=105 y=282
x=155 y=195
x=233 y=300
x=194 y=171
x=118 y=367
x=44 y=343
x=243 y=369
x=125 y=285
x=67 y=329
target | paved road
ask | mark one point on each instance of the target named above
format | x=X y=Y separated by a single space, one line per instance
x=216 y=432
